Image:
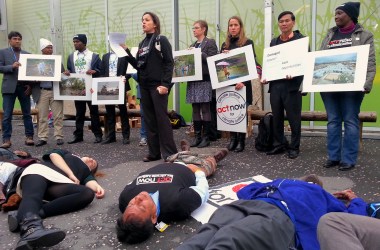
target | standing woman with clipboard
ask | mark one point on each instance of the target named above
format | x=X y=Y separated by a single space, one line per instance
x=235 y=39
x=154 y=64
x=199 y=93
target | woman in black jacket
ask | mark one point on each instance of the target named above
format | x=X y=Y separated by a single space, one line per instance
x=154 y=64
x=235 y=39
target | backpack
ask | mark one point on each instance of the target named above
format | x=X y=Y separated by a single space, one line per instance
x=176 y=120
x=264 y=139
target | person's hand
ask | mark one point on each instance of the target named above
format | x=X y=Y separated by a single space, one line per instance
x=28 y=90
x=225 y=51
x=90 y=72
x=99 y=192
x=289 y=77
x=190 y=48
x=125 y=47
x=347 y=194
x=263 y=81
x=15 y=65
x=74 y=178
x=66 y=72
x=91 y=90
x=239 y=86
x=162 y=90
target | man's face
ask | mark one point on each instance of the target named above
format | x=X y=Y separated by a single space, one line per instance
x=286 y=24
x=78 y=45
x=15 y=42
x=48 y=50
x=141 y=206
x=341 y=18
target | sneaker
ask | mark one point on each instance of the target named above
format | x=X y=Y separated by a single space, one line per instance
x=143 y=142
x=6 y=144
x=29 y=141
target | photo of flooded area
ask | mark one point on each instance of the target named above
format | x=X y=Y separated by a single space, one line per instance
x=108 y=90
x=40 y=67
x=232 y=67
x=72 y=86
x=336 y=69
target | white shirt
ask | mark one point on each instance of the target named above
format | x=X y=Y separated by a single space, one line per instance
x=82 y=61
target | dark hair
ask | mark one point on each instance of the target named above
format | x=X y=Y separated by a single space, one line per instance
x=14 y=34
x=133 y=231
x=95 y=169
x=286 y=13
x=242 y=39
x=156 y=21
x=203 y=24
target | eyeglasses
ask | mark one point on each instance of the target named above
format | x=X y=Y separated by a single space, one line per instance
x=196 y=28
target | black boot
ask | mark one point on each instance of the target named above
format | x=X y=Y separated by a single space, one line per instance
x=197 y=133
x=233 y=141
x=33 y=234
x=206 y=135
x=241 y=143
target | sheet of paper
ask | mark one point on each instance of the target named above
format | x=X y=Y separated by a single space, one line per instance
x=285 y=59
x=115 y=40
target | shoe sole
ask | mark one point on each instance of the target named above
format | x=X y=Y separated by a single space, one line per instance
x=13 y=225
x=47 y=240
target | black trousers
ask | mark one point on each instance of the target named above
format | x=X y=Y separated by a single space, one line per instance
x=160 y=132
x=63 y=198
x=80 y=116
x=281 y=99
x=111 y=121
x=244 y=225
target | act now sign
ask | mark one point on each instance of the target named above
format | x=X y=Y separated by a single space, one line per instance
x=231 y=109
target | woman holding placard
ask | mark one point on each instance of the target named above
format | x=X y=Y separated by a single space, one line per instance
x=199 y=93
x=235 y=39
x=345 y=106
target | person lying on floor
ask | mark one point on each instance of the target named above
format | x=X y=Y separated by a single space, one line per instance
x=282 y=214
x=65 y=180
x=164 y=193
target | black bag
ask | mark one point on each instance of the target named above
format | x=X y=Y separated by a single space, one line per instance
x=176 y=120
x=264 y=139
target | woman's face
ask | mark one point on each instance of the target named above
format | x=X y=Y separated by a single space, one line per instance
x=148 y=25
x=234 y=27
x=198 y=30
x=341 y=18
x=90 y=162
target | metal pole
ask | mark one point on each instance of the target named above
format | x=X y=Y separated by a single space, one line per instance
x=268 y=34
x=106 y=24
x=175 y=29
x=313 y=48
x=56 y=26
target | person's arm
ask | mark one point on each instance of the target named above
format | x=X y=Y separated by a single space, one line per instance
x=371 y=69
x=201 y=183
x=4 y=68
x=95 y=66
x=356 y=205
x=59 y=162
x=168 y=62
x=212 y=50
x=98 y=190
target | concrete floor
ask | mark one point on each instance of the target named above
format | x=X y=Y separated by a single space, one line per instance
x=94 y=227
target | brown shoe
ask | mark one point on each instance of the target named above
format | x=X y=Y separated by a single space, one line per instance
x=313 y=179
x=6 y=144
x=29 y=141
x=221 y=154
x=185 y=145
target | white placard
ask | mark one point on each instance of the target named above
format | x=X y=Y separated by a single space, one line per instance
x=115 y=40
x=231 y=109
x=335 y=70
x=108 y=90
x=35 y=67
x=75 y=87
x=238 y=65
x=285 y=59
x=187 y=65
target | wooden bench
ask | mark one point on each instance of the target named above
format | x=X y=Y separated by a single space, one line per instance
x=366 y=116
x=17 y=112
x=103 y=112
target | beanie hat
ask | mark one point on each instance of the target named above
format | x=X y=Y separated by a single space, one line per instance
x=351 y=9
x=81 y=37
x=44 y=43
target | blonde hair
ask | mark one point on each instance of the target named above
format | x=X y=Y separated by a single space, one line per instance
x=242 y=39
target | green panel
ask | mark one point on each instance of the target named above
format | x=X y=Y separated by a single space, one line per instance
x=186 y=109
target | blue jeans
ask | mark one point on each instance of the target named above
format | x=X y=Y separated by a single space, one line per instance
x=343 y=107
x=8 y=105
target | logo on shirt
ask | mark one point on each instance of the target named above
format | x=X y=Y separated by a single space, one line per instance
x=345 y=42
x=154 y=178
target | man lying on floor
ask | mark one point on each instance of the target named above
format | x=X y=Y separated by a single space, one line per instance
x=278 y=215
x=166 y=192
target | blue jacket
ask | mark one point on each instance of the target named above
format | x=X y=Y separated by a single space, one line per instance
x=305 y=203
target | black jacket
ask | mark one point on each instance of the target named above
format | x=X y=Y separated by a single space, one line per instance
x=122 y=64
